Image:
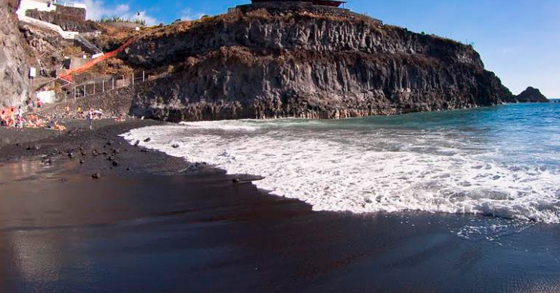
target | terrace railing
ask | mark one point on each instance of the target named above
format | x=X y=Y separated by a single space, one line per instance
x=98 y=86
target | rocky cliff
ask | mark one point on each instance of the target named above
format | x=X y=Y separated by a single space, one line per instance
x=299 y=60
x=14 y=84
x=530 y=95
x=46 y=48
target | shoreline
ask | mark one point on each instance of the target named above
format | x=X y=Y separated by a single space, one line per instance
x=78 y=144
x=169 y=225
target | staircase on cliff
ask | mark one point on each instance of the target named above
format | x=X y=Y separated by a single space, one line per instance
x=73 y=36
x=68 y=75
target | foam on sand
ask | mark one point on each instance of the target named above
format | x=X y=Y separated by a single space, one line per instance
x=365 y=171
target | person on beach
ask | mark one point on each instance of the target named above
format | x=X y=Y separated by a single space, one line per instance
x=6 y=117
x=12 y=117
x=19 y=118
x=2 y=118
x=51 y=121
x=90 y=118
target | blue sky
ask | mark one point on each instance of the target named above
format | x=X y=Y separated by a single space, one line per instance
x=518 y=39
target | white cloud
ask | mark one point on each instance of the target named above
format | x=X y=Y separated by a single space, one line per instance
x=188 y=14
x=507 y=50
x=140 y=15
x=97 y=10
x=122 y=8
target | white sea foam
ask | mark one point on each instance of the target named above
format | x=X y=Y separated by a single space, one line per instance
x=232 y=125
x=492 y=230
x=363 y=171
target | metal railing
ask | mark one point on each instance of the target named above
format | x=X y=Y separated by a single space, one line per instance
x=98 y=86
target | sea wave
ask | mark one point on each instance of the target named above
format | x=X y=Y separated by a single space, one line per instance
x=369 y=171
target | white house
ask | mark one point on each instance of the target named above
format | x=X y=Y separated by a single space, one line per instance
x=41 y=5
x=44 y=5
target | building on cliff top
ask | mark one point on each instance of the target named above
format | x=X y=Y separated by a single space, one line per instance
x=332 y=3
x=76 y=9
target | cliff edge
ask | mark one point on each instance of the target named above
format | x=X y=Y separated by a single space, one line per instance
x=300 y=60
x=14 y=84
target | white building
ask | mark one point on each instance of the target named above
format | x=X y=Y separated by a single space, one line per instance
x=44 y=5
x=41 y=5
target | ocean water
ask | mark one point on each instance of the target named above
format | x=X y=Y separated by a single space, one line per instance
x=502 y=162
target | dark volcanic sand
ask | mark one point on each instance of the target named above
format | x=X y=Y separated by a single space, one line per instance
x=167 y=226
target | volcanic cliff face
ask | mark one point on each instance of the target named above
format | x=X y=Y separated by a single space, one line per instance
x=297 y=60
x=14 y=85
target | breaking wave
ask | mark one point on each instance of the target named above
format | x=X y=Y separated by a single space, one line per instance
x=457 y=162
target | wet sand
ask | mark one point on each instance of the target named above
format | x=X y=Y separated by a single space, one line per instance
x=159 y=224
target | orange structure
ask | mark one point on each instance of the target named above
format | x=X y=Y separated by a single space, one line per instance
x=68 y=75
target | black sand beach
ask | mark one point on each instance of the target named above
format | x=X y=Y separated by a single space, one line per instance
x=153 y=223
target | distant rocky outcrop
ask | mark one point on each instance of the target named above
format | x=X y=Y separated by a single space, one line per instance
x=14 y=84
x=300 y=60
x=530 y=95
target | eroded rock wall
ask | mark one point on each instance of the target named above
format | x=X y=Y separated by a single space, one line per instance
x=14 y=84
x=296 y=61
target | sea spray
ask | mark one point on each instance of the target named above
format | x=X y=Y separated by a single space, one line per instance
x=457 y=162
